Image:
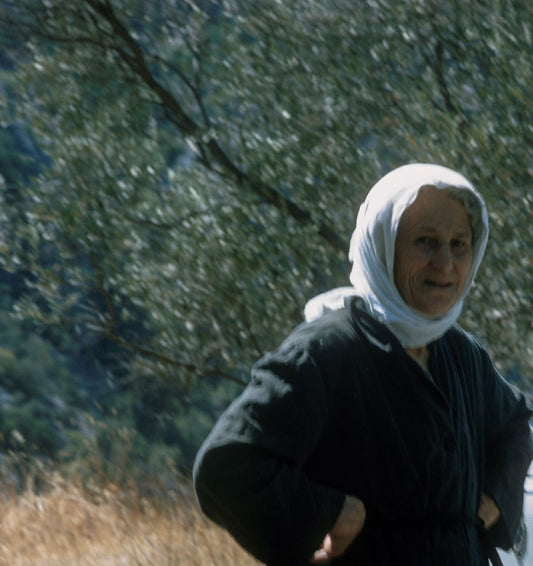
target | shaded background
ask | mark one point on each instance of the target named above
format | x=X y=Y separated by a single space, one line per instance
x=179 y=177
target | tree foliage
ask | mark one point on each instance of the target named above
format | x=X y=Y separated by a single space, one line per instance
x=38 y=395
x=208 y=160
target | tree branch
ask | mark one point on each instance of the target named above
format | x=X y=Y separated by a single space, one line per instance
x=441 y=78
x=114 y=337
x=134 y=57
x=112 y=334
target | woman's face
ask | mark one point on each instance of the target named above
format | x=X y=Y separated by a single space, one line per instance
x=433 y=252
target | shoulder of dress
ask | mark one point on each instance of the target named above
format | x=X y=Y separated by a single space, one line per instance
x=332 y=328
x=458 y=335
x=465 y=345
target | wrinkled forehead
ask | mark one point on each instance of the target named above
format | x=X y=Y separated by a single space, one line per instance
x=436 y=211
x=446 y=199
x=409 y=201
x=399 y=188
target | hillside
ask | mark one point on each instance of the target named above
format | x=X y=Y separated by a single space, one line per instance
x=70 y=525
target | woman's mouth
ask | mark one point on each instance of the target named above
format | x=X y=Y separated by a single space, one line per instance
x=439 y=285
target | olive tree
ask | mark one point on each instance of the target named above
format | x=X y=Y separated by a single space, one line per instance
x=208 y=160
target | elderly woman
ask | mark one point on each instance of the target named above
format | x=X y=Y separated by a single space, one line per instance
x=379 y=433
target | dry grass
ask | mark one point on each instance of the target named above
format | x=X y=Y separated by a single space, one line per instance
x=70 y=525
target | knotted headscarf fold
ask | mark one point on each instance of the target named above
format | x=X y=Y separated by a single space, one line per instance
x=372 y=252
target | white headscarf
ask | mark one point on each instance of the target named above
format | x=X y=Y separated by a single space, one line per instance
x=372 y=253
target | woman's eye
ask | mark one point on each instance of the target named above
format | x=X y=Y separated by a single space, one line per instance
x=426 y=241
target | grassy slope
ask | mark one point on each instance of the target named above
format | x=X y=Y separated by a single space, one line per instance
x=71 y=525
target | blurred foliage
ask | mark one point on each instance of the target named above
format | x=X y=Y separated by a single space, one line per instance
x=207 y=160
x=38 y=395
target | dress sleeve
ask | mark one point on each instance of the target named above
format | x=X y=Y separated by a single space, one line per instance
x=248 y=473
x=508 y=453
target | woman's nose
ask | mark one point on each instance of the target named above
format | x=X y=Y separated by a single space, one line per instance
x=442 y=258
